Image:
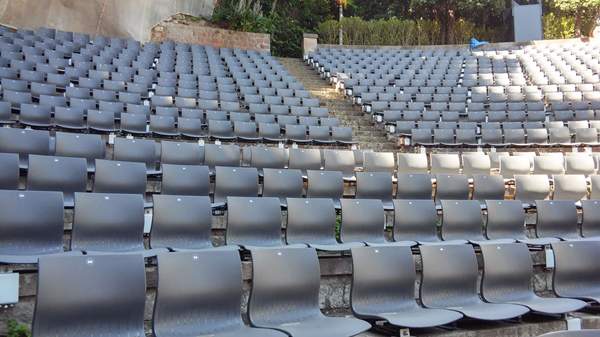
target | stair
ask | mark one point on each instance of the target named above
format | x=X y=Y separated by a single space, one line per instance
x=367 y=133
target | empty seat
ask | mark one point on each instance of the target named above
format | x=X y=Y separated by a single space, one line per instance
x=24 y=143
x=451 y=186
x=185 y=180
x=221 y=155
x=412 y=162
x=181 y=153
x=234 y=182
x=312 y=221
x=529 y=188
x=66 y=304
x=305 y=159
x=583 y=164
x=449 y=281
x=325 y=184
x=507 y=278
x=9 y=171
x=548 y=165
x=413 y=186
x=363 y=220
x=110 y=223
x=340 y=160
x=137 y=150
x=267 y=157
x=378 y=162
x=282 y=183
x=570 y=187
x=510 y=166
x=444 y=163
x=214 y=274
x=590 y=223
x=375 y=185
x=293 y=290
x=114 y=176
x=476 y=164
x=66 y=175
x=388 y=272
x=557 y=219
x=487 y=187
x=417 y=220
x=576 y=269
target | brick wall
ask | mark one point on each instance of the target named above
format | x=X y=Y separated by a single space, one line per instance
x=208 y=36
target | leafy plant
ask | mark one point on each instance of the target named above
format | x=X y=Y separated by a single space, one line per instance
x=338 y=221
x=17 y=330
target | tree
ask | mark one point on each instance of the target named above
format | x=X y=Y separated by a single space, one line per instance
x=481 y=11
x=577 y=7
x=443 y=11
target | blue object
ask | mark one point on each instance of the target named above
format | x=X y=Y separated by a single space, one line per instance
x=475 y=43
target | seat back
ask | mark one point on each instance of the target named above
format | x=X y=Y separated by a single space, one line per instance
x=136 y=150
x=529 y=188
x=505 y=220
x=340 y=160
x=235 y=181
x=476 y=164
x=451 y=186
x=90 y=147
x=413 y=186
x=103 y=294
x=253 y=222
x=507 y=272
x=514 y=165
x=449 y=269
x=590 y=222
x=221 y=155
x=24 y=142
x=576 y=268
x=282 y=183
x=305 y=159
x=32 y=222
x=285 y=286
x=556 y=219
x=375 y=185
x=267 y=157
x=570 y=187
x=363 y=220
x=64 y=174
x=181 y=153
x=108 y=222
x=445 y=163
x=211 y=284
x=310 y=221
x=461 y=220
x=185 y=180
x=325 y=184
x=378 y=162
x=9 y=171
x=412 y=162
x=181 y=222
x=415 y=220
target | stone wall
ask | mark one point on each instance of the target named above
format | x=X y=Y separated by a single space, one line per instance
x=209 y=36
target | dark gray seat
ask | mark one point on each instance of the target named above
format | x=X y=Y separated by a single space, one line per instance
x=417 y=220
x=340 y=160
x=325 y=184
x=110 y=223
x=379 y=162
x=305 y=159
x=101 y=295
x=181 y=223
x=211 y=283
x=451 y=186
x=37 y=116
x=9 y=171
x=557 y=219
x=530 y=188
x=590 y=219
x=32 y=226
x=383 y=285
x=234 y=182
x=282 y=183
x=267 y=157
x=363 y=220
x=120 y=177
x=90 y=147
x=506 y=220
x=312 y=221
x=181 y=153
x=284 y=295
x=576 y=270
x=185 y=180
x=221 y=155
x=507 y=278
x=449 y=281
x=24 y=142
x=62 y=174
x=462 y=220
x=375 y=185
x=137 y=150
x=254 y=223
x=413 y=186
x=487 y=187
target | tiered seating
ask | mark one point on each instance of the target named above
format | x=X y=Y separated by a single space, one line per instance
x=437 y=97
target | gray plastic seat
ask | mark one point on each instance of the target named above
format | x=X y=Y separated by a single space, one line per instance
x=548 y=165
x=254 y=223
x=110 y=223
x=417 y=220
x=506 y=220
x=135 y=123
x=476 y=164
x=325 y=184
x=120 y=177
x=24 y=143
x=579 y=165
x=312 y=221
x=234 y=182
x=32 y=226
x=181 y=223
x=363 y=220
x=284 y=295
x=375 y=185
x=282 y=183
x=507 y=278
x=576 y=270
x=221 y=155
x=267 y=157
x=383 y=288
x=181 y=153
x=305 y=159
x=211 y=283
x=462 y=220
x=514 y=165
x=379 y=162
x=570 y=187
x=446 y=163
x=185 y=180
x=449 y=281
x=557 y=219
x=412 y=162
x=340 y=160
x=90 y=147
x=137 y=150
x=487 y=187
x=529 y=188
x=163 y=126
x=451 y=186
x=38 y=116
x=62 y=174
x=9 y=171
x=590 y=222
x=102 y=295
x=413 y=186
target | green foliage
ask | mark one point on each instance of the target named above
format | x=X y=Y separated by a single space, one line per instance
x=286 y=37
x=338 y=221
x=574 y=5
x=558 y=27
x=17 y=330
x=396 y=32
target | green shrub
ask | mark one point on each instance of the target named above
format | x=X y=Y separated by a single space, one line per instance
x=558 y=27
x=17 y=330
x=286 y=37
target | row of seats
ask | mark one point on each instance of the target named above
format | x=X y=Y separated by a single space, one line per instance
x=106 y=222
x=518 y=118
x=285 y=287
